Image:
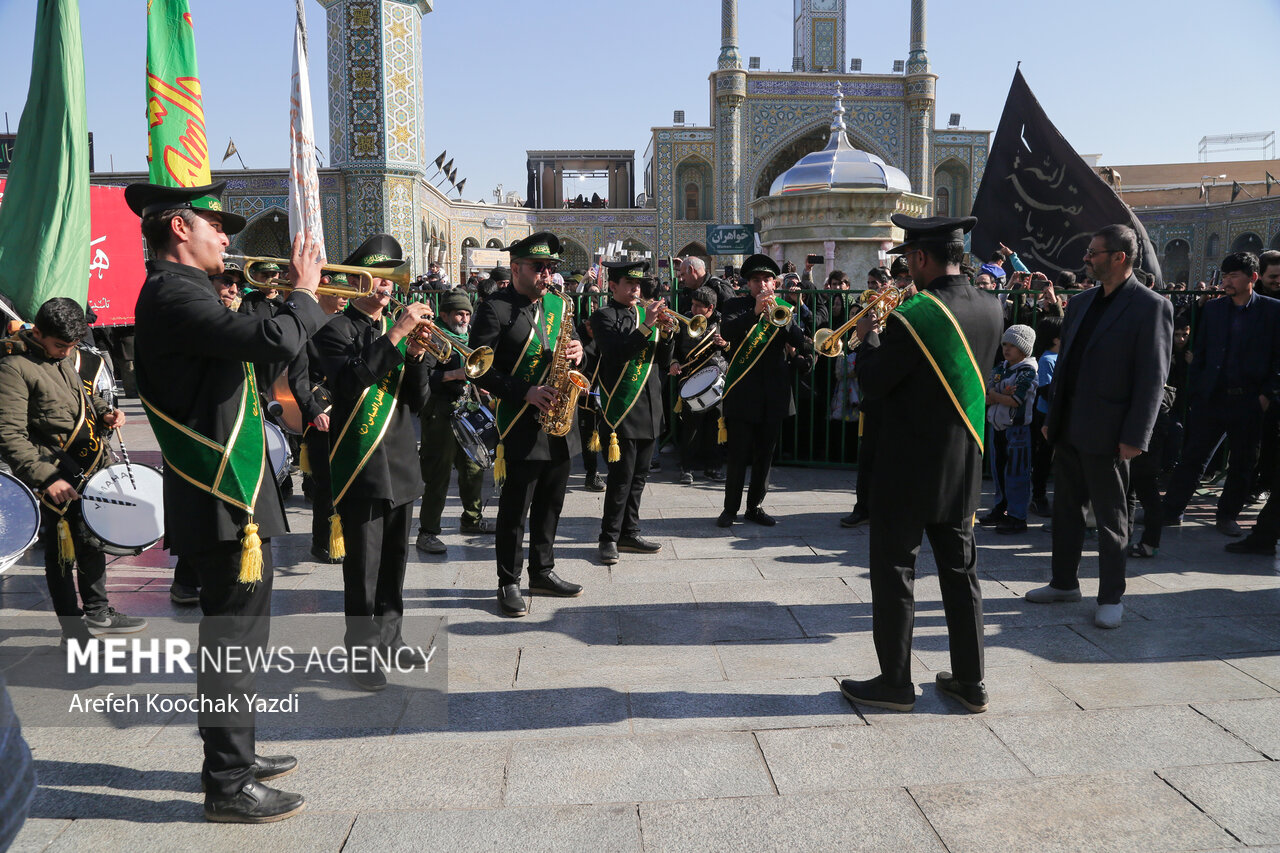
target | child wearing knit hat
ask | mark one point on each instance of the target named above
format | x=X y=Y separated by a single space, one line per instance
x=1011 y=397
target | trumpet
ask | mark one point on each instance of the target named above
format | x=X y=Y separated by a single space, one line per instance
x=398 y=275
x=779 y=315
x=476 y=361
x=697 y=324
x=827 y=341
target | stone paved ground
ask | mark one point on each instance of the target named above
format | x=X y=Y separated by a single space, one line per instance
x=689 y=701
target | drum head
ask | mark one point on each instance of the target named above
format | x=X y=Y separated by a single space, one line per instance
x=477 y=435
x=126 y=515
x=277 y=450
x=700 y=381
x=19 y=519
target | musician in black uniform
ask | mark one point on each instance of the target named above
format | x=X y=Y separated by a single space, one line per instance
x=514 y=322
x=757 y=393
x=698 y=444
x=311 y=390
x=589 y=409
x=370 y=360
x=928 y=479
x=193 y=363
x=635 y=351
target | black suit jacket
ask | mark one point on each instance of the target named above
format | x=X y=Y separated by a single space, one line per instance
x=356 y=355
x=189 y=348
x=1259 y=348
x=505 y=321
x=764 y=394
x=927 y=463
x=1123 y=368
x=618 y=338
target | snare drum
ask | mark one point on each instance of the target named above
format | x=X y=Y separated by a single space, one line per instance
x=277 y=451
x=477 y=434
x=19 y=519
x=123 y=514
x=704 y=388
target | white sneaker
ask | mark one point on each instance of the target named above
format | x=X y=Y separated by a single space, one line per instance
x=1108 y=615
x=1050 y=594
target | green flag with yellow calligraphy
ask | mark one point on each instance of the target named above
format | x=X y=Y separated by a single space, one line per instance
x=177 y=147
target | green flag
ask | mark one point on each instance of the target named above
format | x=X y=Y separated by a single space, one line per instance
x=177 y=147
x=44 y=221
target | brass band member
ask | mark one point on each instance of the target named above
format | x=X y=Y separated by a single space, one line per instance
x=757 y=391
x=524 y=324
x=196 y=380
x=53 y=435
x=310 y=388
x=698 y=445
x=633 y=355
x=378 y=378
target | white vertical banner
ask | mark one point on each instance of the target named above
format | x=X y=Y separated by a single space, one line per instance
x=304 y=177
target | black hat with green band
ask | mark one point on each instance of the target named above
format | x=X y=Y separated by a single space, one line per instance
x=759 y=265
x=618 y=270
x=539 y=246
x=380 y=250
x=151 y=199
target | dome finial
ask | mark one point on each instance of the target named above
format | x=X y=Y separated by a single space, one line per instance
x=837 y=111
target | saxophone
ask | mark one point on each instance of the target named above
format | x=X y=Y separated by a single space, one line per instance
x=564 y=380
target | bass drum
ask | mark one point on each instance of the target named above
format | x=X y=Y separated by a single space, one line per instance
x=477 y=434
x=277 y=451
x=19 y=519
x=123 y=509
x=704 y=388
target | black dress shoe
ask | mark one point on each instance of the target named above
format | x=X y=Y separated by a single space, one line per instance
x=608 y=553
x=876 y=693
x=509 y=601
x=368 y=677
x=254 y=803
x=322 y=555
x=1252 y=545
x=715 y=475
x=482 y=527
x=853 y=519
x=268 y=767
x=638 y=545
x=726 y=519
x=552 y=584
x=972 y=696
x=761 y=517
x=595 y=483
x=1229 y=527
x=992 y=518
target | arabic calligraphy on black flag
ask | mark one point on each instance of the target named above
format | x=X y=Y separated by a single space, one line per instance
x=1040 y=198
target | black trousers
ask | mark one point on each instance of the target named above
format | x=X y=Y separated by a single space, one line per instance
x=866 y=456
x=749 y=444
x=699 y=446
x=236 y=616
x=1239 y=418
x=533 y=490
x=90 y=572
x=588 y=420
x=317 y=444
x=1144 y=483
x=377 y=540
x=1268 y=451
x=624 y=489
x=1103 y=480
x=895 y=544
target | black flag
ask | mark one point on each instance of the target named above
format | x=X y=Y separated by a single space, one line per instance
x=1041 y=199
x=1271 y=179
x=440 y=159
x=1235 y=189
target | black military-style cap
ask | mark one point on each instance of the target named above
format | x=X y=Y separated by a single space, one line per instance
x=757 y=264
x=538 y=246
x=618 y=270
x=380 y=250
x=500 y=274
x=148 y=199
x=932 y=230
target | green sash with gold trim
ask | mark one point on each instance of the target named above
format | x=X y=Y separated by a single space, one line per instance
x=534 y=361
x=940 y=337
x=618 y=401
x=365 y=427
x=749 y=351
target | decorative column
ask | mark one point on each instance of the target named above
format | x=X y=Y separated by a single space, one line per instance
x=731 y=94
x=921 y=86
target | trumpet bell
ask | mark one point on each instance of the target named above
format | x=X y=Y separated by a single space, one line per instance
x=826 y=343
x=780 y=315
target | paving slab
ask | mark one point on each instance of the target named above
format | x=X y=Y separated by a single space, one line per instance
x=310 y=831
x=886 y=821
x=801 y=591
x=1004 y=646
x=740 y=705
x=600 y=829
x=1205 y=636
x=1255 y=721
x=720 y=568
x=607 y=666
x=1125 y=739
x=829 y=656
x=1264 y=668
x=1253 y=818
x=1121 y=813
x=37 y=834
x=529 y=713
x=886 y=755
x=694 y=626
x=635 y=769
x=1121 y=685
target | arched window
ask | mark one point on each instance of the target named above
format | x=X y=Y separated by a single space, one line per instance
x=1247 y=242
x=1212 y=247
x=691 y=201
x=942 y=202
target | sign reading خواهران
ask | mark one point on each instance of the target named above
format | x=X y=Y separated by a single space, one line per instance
x=730 y=239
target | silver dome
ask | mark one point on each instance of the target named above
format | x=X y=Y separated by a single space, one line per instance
x=839 y=166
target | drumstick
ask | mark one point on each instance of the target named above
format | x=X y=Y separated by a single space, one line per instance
x=124 y=451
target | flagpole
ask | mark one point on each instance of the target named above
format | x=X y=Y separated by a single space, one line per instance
x=241 y=159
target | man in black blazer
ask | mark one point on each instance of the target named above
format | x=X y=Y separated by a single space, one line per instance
x=513 y=322
x=1116 y=340
x=755 y=404
x=927 y=476
x=1233 y=377
x=191 y=356
x=633 y=357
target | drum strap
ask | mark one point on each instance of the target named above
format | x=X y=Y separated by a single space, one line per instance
x=81 y=453
x=231 y=472
x=618 y=401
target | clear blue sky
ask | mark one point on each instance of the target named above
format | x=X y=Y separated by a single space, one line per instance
x=1137 y=81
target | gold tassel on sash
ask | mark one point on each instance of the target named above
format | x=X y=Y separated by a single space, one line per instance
x=615 y=452
x=594 y=444
x=304 y=457
x=679 y=407
x=250 y=555
x=66 y=548
x=722 y=435
x=500 y=466
x=337 y=543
